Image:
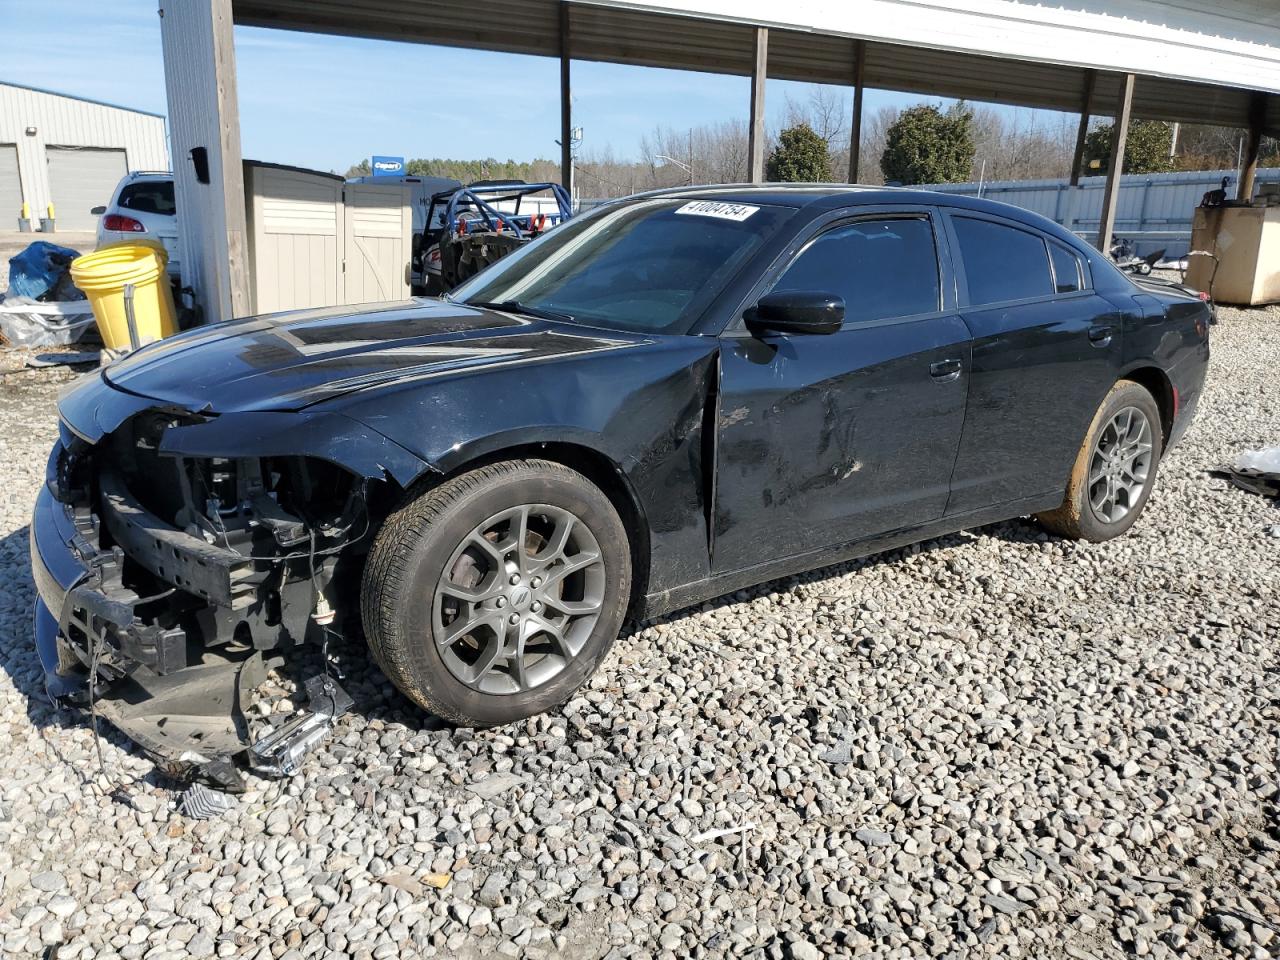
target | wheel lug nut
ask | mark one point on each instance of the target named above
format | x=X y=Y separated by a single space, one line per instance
x=515 y=578
x=500 y=602
x=514 y=619
x=535 y=606
x=537 y=582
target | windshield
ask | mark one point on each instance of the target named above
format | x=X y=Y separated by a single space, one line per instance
x=651 y=266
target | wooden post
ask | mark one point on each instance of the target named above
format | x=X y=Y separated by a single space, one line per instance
x=759 y=74
x=1249 y=169
x=1086 y=107
x=1115 y=166
x=855 y=121
x=566 y=104
x=204 y=145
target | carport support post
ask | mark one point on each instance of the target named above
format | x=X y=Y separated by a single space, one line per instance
x=1086 y=108
x=855 y=121
x=566 y=104
x=1115 y=166
x=204 y=146
x=1249 y=170
x=759 y=73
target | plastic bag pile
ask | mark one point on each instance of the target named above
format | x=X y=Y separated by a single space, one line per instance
x=42 y=272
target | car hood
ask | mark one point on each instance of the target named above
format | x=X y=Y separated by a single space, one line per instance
x=288 y=361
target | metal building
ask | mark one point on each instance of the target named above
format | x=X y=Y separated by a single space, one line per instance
x=69 y=152
x=1185 y=60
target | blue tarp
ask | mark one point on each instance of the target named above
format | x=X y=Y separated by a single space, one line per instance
x=40 y=272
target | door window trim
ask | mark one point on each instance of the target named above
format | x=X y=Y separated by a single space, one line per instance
x=962 y=281
x=834 y=220
x=1082 y=270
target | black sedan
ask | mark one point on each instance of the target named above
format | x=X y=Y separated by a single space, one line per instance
x=665 y=400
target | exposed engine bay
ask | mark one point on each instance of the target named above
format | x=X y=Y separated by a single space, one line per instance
x=204 y=574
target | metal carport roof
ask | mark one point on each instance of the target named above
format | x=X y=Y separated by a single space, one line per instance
x=1049 y=77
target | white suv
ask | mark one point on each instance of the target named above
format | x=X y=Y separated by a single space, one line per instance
x=142 y=207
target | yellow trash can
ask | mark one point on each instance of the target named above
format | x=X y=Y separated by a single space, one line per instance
x=114 y=276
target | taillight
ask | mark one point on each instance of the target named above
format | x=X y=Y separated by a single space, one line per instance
x=1204 y=295
x=122 y=224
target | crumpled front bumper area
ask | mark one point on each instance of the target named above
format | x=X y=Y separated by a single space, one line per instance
x=184 y=700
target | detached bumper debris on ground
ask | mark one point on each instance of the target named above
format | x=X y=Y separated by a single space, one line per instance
x=995 y=744
x=1257 y=471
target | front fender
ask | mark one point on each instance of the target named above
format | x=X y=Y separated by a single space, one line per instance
x=643 y=411
x=325 y=436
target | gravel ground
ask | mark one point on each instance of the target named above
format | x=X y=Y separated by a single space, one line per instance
x=994 y=743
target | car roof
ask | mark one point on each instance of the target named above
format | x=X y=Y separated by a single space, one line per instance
x=834 y=196
x=148 y=175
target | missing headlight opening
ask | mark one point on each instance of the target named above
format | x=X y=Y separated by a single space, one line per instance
x=206 y=573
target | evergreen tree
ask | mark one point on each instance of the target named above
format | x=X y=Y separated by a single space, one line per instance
x=926 y=145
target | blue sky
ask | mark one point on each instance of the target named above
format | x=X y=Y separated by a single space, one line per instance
x=327 y=102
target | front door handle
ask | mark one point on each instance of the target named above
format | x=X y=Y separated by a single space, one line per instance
x=1100 y=335
x=944 y=371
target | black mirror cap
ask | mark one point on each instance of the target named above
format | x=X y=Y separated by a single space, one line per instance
x=98 y=211
x=798 y=312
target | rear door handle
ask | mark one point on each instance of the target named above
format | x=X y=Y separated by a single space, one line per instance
x=1100 y=336
x=944 y=371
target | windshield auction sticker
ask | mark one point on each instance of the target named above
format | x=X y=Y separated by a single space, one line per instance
x=714 y=208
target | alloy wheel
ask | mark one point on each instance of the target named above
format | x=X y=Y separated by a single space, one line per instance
x=518 y=599
x=1120 y=466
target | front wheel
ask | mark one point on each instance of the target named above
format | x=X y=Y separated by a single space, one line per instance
x=495 y=595
x=1115 y=469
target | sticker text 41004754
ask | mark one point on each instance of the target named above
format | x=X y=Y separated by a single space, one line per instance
x=718 y=209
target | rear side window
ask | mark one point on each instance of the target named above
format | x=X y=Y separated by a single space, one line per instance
x=1002 y=263
x=154 y=196
x=884 y=269
x=1068 y=273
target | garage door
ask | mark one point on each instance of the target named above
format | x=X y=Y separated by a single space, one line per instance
x=81 y=180
x=10 y=187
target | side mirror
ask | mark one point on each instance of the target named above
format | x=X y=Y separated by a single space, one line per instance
x=416 y=243
x=797 y=312
x=98 y=211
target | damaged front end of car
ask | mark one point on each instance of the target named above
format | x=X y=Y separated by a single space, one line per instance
x=178 y=562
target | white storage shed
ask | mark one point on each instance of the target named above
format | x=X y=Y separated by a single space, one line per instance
x=315 y=240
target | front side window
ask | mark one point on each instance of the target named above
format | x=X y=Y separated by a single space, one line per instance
x=884 y=269
x=648 y=266
x=1002 y=262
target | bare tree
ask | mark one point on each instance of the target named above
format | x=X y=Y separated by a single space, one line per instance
x=1021 y=145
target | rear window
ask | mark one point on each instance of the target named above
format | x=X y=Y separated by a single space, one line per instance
x=1002 y=262
x=152 y=196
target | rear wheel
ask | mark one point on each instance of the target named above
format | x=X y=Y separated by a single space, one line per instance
x=494 y=596
x=1115 y=469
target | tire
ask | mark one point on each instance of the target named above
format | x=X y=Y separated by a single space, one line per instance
x=1085 y=513
x=429 y=578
